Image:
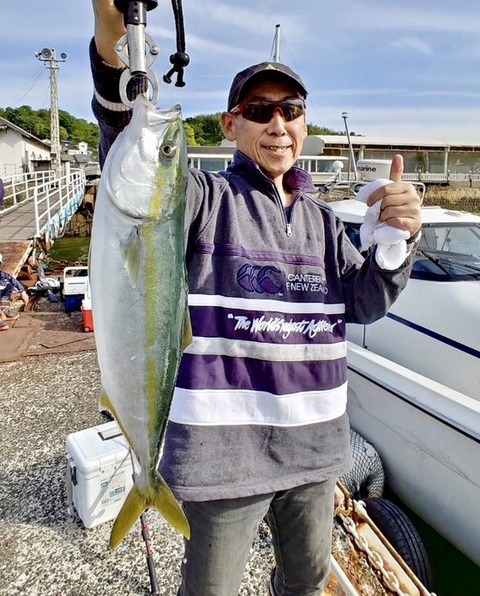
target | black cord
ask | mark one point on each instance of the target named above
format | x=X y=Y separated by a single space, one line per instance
x=180 y=59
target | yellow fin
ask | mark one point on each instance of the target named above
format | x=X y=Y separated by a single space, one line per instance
x=131 y=510
x=136 y=503
x=187 y=330
x=105 y=401
x=167 y=505
x=107 y=404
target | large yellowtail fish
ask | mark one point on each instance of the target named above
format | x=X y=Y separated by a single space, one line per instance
x=139 y=295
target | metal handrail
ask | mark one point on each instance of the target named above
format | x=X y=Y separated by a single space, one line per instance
x=19 y=188
x=48 y=194
x=51 y=196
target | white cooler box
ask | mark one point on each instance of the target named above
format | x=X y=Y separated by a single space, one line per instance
x=99 y=472
x=75 y=283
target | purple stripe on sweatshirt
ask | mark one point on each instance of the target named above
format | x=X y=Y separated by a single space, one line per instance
x=257 y=255
x=279 y=378
x=268 y=327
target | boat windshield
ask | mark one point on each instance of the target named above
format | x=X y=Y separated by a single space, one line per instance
x=447 y=252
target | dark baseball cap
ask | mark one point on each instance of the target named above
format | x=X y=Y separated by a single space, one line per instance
x=244 y=78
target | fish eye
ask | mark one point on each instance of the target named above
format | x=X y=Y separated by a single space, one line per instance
x=168 y=150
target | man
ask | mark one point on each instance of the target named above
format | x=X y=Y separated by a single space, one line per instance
x=258 y=425
x=8 y=284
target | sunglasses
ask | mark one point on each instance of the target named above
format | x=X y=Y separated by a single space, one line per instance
x=262 y=111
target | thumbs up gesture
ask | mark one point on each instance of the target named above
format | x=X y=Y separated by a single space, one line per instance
x=400 y=201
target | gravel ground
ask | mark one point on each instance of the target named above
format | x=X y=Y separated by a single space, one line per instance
x=44 y=399
x=43 y=550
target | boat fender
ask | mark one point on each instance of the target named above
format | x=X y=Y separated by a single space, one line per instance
x=366 y=478
x=399 y=530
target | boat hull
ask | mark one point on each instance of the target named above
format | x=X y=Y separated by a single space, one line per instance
x=428 y=437
x=431 y=329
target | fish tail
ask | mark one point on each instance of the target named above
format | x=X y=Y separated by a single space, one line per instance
x=133 y=507
x=137 y=502
x=167 y=505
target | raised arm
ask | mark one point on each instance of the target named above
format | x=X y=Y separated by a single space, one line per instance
x=108 y=29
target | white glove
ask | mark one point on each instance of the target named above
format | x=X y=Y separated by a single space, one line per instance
x=391 y=242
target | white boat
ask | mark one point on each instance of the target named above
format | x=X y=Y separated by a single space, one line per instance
x=414 y=377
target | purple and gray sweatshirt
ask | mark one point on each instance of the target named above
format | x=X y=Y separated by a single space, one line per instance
x=260 y=401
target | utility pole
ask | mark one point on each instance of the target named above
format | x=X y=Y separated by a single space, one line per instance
x=47 y=55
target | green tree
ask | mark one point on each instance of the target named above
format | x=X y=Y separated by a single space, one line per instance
x=207 y=129
x=37 y=123
x=190 y=134
x=313 y=129
x=204 y=129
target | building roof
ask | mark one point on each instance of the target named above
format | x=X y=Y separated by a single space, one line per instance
x=82 y=158
x=24 y=133
x=211 y=150
x=315 y=145
x=379 y=141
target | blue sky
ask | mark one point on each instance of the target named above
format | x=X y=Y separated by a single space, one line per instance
x=402 y=70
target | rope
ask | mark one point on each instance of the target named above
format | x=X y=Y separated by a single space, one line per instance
x=180 y=59
x=366 y=478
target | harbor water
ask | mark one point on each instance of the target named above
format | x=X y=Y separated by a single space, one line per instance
x=70 y=249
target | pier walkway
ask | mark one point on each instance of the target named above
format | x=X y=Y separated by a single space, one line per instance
x=35 y=211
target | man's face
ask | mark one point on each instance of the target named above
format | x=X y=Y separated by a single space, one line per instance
x=276 y=145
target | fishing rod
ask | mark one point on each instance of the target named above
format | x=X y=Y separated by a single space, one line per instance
x=137 y=50
x=146 y=538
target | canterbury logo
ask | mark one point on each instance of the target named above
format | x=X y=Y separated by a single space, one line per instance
x=254 y=278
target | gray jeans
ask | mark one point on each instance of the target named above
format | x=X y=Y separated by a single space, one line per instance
x=300 y=520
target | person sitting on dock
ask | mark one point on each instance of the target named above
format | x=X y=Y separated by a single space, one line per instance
x=8 y=284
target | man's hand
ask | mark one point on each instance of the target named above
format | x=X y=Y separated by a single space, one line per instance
x=25 y=298
x=109 y=28
x=401 y=203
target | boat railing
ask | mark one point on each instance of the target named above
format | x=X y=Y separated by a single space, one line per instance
x=348 y=189
x=460 y=177
x=463 y=178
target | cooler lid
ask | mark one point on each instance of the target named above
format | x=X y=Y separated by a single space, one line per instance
x=97 y=446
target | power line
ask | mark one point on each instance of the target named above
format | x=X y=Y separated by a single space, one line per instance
x=25 y=90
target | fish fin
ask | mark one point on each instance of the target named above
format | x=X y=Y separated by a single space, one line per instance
x=135 y=504
x=131 y=257
x=107 y=404
x=187 y=330
x=105 y=401
x=167 y=505
x=131 y=510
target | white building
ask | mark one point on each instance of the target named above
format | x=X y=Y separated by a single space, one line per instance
x=425 y=159
x=431 y=162
x=80 y=148
x=20 y=151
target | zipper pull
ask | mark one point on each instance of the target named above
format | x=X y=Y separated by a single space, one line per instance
x=289 y=229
